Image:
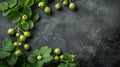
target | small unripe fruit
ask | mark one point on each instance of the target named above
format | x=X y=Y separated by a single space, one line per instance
x=11 y=31
x=18 y=52
x=27 y=34
x=65 y=3
x=17 y=34
x=41 y=4
x=24 y=17
x=56 y=58
x=47 y=10
x=73 y=56
x=39 y=57
x=57 y=51
x=22 y=38
x=19 y=44
x=15 y=43
x=72 y=6
x=57 y=6
x=26 y=46
x=61 y=57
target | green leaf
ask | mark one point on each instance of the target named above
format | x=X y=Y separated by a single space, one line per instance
x=33 y=57
x=68 y=57
x=12 y=59
x=45 y=50
x=39 y=64
x=6 y=12
x=31 y=23
x=63 y=65
x=3 y=6
x=14 y=16
x=27 y=11
x=7 y=45
x=35 y=17
x=4 y=64
x=25 y=26
x=12 y=3
x=72 y=65
x=47 y=58
x=24 y=2
x=4 y=54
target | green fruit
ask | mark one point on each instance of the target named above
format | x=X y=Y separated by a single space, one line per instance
x=24 y=17
x=56 y=58
x=39 y=57
x=73 y=56
x=41 y=4
x=22 y=38
x=15 y=43
x=17 y=34
x=72 y=6
x=47 y=10
x=57 y=6
x=11 y=31
x=57 y=51
x=18 y=52
x=65 y=3
x=26 y=46
x=27 y=34
x=61 y=57
x=19 y=44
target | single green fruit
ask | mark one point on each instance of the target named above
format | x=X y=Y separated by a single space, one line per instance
x=41 y=4
x=56 y=58
x=11 y=31
x=26 y=46
x=61 y=57
x=27 y=34
x=15 y=44
x=17 y=34
x=24 y=17
x=72 y=6
x=65 y=3
x=20 y=44
x=39 y=57
x=22 y=38
x=18 y=52
x=47 y=10
x=73 y=56
x=57 y=51
x=57 y=6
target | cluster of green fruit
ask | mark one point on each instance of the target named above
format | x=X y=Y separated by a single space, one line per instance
x=47 y=9
x=21 y=39
x=65 y=3
x=60 y=56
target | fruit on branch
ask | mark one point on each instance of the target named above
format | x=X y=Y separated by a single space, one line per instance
x=73 y=56
x=15 y=44
x=18 y=52
x=72 y=6
x=65 y=2
x=58 y=6
x=56 y=58
x=61 y=57
x=27 y=34
x=24 y=17
x=41 y=4
x=26 y=46
x=39 y=57
x=11 y=31
x=47 y=10
x=17 y=34
x=57 y=51
x=22 y=38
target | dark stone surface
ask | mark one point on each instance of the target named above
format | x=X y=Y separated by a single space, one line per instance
x=92 y=32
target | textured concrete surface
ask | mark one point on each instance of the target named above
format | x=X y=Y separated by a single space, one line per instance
x=92 y=32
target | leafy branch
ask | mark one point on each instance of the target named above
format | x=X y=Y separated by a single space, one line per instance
x=24 y=17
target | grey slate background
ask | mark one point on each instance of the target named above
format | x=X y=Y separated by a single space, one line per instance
x=92 y=32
